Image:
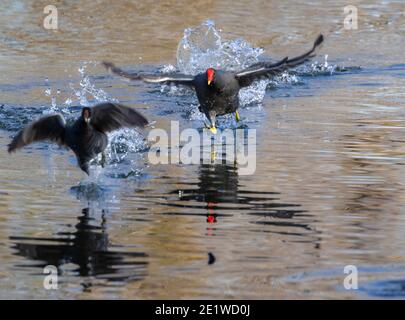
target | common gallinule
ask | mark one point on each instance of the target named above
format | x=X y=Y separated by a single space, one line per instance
x=217 y=90
x=86 y=136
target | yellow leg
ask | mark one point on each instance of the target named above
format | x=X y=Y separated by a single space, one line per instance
x=237 y=117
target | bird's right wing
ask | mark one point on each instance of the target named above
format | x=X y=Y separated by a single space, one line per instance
x=248 y=75
x=152 y=78
x=47 y=128
x=108 y=116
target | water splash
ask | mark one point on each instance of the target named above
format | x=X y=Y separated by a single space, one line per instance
x=83 y=93
x=325 y=68
x=203 y=47
x=87 y=91
x=254 y=94
x=52 y=94
x=122 y=142
x=168 y=68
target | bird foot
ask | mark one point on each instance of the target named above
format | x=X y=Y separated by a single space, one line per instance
x=213 y=129
x=237 y=116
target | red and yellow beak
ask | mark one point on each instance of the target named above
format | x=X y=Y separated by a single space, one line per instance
x=210 y=75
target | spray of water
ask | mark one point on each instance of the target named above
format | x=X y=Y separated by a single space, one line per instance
x=87 y=89
x=204 y=46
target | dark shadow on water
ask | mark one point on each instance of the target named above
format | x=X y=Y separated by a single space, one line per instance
x=221 y=196
x=220 y=191
x=219 y=185
x=88 y=248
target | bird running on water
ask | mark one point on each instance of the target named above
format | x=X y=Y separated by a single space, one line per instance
x=218 y=90
x=87 y=136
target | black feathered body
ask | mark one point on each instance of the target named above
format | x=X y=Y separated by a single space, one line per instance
x=85 y=141
x=221 y=96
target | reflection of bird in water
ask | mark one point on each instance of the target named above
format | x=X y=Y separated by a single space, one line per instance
x=218 y=183
x=86 y=137
x=211 y=258
x=88 y=248
x=211 y=217
x=219 y=188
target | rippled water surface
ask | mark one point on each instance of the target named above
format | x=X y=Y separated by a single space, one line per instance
x=328 y=190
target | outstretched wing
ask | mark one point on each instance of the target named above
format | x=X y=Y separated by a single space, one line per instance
x=248 y=75
x=107 y=117
x=47 y=128
x=151 y=78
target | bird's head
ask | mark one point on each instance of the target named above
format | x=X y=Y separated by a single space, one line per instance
x=210 y=75
x=86 y=114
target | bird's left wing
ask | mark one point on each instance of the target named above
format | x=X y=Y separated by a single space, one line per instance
x=178 y=78
x=107 y=117
x=248 y=75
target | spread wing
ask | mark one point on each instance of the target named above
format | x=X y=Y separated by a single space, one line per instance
x=248 y=75
x=107 y=117
x=47 y=128
x=152 y=78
